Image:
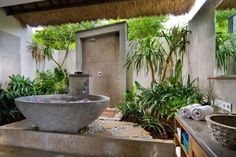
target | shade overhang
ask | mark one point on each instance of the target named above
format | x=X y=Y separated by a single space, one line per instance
x=52 y=12
x=226 y=4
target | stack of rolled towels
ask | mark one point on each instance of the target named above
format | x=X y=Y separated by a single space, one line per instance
x=196 y=111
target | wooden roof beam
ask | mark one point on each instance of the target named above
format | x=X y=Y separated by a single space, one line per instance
x=52 y=5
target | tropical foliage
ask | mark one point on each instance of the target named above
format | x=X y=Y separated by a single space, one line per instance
x=148 y=53
x=166 y=61
x=17 y=87
x=225 y=50
x=8 y=111
x=62 y=37
x=176 y=39
x=145 y=27
x=154 y=107
x=37 y=54
x=225 y=42
x=59 y=37
x=49 y=82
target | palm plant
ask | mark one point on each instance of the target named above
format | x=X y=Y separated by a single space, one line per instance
x=176 y=39
x=147 y=53
x=154 y=57
x=41 y=53
x=37 y=54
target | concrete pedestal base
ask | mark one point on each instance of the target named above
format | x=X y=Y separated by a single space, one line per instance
x=24 y=134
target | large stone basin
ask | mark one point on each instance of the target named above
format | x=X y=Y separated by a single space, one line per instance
x=223 y=129
x=62 y=113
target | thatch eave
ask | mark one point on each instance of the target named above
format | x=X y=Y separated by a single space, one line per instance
x=226 y=4
x=114 y=9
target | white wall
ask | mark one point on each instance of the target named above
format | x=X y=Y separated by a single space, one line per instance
x=70 y=62
x=18 y=61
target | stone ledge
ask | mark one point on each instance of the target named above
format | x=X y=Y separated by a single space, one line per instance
x=24 y=134
x=10 y=151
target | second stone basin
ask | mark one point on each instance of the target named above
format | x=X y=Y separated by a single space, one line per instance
x=62 y=113
x=223 y=129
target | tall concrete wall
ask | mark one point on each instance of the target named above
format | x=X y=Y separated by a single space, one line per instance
x=201 y=54
x=14 y=58
x=101 y=53
x=200 y=59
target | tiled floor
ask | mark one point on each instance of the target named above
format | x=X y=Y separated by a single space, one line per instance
x=109 y=112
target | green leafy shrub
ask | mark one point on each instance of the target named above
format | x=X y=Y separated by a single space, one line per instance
x=8 y=110
x=17 y=87
x=143 y=27
x=49 y=82
x=165 y=98
x=62 y=80
x=20 y=86
x=150 y=54
x=52 y=82
x=154 y=108
x=45 y=83
x=147 y=54
x=129 y=107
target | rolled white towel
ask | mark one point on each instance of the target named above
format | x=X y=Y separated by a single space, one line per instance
x=178 y=151
x=186 y=111
x=199 y=113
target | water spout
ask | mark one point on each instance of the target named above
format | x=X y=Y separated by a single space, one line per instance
x=79 y=85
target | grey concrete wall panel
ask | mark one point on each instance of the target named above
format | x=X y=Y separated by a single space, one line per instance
x=201 y=54
x=101 y=53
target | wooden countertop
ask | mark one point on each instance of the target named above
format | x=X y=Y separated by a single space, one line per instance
x=199 y=131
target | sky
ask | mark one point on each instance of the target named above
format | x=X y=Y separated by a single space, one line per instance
x=183 y=19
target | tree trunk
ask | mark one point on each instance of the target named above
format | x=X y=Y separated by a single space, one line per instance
x=152 y=74
x=59 y=66
x=67 y=50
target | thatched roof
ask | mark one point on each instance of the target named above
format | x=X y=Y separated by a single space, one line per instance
x=51 y=12
x=227 y=4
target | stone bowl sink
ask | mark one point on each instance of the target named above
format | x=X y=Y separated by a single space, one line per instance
x=62 y=113
x=222 y=128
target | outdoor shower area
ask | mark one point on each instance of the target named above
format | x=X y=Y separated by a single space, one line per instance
x=101 y=53
x=117 y=78
x=74 y=122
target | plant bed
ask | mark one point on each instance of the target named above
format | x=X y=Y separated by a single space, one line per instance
x=154 y=108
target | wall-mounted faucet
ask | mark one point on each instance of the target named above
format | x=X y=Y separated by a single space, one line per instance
x=79 y=84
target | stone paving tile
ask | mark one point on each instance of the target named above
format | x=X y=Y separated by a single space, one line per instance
x=116 y=128
x=133 y=132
